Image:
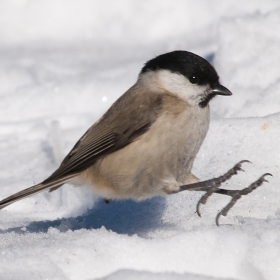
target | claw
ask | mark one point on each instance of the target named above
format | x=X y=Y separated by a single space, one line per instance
x=244 y=160
x=202 y=200
x=266 y=174
x=239 y=164
x=198 y=208
x=262 y=178
x=198 y=211
x=217 y=218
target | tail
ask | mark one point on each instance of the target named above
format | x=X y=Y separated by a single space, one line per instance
x=35 y=189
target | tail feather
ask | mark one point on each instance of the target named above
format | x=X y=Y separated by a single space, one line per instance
x=35 y=189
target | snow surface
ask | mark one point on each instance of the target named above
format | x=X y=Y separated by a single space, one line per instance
x=62 y=64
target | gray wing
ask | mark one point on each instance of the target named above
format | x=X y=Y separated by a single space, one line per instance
x=127 y=119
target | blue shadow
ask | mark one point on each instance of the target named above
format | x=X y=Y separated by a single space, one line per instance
x=123 y=217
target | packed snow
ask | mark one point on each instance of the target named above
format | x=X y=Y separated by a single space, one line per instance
x=62 y=64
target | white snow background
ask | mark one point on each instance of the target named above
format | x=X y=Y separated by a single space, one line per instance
x=62 y=64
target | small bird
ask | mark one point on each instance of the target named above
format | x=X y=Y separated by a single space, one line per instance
x=146 y=143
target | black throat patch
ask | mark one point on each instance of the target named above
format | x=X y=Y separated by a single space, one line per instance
x=206 y=99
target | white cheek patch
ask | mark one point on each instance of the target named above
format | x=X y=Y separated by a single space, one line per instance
x=175 y=83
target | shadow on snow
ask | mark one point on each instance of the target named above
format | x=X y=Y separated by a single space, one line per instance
x=123 y=217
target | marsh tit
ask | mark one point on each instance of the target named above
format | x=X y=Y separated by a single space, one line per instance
x=146 y=143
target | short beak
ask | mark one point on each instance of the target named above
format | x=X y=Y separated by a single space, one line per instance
x=221 y=90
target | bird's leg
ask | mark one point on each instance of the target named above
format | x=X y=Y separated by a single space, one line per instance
x=212 y=186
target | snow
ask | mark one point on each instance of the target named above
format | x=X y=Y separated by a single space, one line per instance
x=62 y=64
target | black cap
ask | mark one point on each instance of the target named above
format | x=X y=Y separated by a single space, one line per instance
x=197 y=69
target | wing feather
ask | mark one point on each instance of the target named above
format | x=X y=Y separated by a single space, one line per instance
x=128 y=118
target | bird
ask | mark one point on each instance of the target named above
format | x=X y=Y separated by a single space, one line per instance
x=147 y=141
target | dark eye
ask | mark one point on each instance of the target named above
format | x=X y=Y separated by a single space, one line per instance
x=193 y=79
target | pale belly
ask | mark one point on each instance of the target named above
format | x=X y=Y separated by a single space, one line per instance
x=163 y=155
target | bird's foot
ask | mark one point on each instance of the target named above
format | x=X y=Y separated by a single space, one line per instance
x=237 y=194
x=215 y=183
x=213 y=186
